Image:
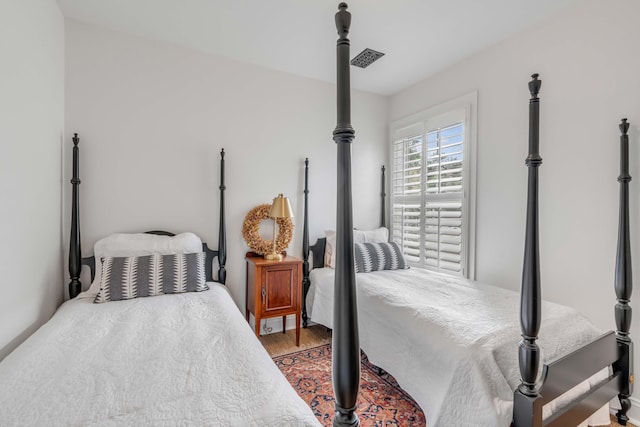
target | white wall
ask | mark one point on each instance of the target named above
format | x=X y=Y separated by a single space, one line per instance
x=589 y=67
x=152 y=119
x=31 y=124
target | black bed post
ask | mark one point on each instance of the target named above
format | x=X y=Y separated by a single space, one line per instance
x=222 y=236
x=346 y=344
x=383 y=220
x=305 y=246
x=623 y=282
x=75 y=252
x=527 y=409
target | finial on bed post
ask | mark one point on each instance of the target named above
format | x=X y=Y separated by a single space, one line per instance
x=623 y=281
x=343 y=21
x=222 y=236
x=305 y=246
x=346 y=343
x=75 y=252
x=526 y=397
x=383 y=220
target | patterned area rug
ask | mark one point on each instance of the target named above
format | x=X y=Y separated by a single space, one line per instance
x=381 y=401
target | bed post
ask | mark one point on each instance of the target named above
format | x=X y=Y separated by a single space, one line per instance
x=623 y=282
x=222 y=236
x=305 y=246
x=383 y=220
x=527 y=407
x=346 y=344
x=75 y=252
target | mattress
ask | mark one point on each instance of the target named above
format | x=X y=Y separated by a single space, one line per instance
x=452 y=343
x=182 y=359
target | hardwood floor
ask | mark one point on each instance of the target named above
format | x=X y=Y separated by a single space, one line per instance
x=615 y=424
x=279 y=343
x=313 y=336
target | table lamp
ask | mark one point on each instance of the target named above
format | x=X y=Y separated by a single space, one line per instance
x=281 y=208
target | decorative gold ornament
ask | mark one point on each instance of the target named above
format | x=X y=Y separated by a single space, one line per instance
x=251 y=228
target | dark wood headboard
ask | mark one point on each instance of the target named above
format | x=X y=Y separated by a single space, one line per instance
x=75 y=252
x=210 y=254
x=318 y=249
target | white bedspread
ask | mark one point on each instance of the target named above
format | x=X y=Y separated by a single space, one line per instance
x=450 y=342
x=173 y=360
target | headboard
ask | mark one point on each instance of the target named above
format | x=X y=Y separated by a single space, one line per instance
x=210 y=254
x=318 y=249
x=75 y=252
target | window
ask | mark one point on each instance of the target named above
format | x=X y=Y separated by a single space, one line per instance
x=432 y=187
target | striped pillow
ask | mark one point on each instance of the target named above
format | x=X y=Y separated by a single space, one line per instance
x=145 y=276
x=379 y=256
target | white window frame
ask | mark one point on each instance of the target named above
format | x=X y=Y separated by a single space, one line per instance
x=404 y=127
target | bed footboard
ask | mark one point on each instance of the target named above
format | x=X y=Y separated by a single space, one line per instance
x=562 y=375
x=613 y=349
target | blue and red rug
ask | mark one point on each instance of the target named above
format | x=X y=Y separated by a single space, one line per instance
x=381 y=401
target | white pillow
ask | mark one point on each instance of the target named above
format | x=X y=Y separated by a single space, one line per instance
x=329 y=254
x=138 y=244
x=377 y=235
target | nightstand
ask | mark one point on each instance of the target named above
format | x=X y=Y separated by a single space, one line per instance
x=274 y=289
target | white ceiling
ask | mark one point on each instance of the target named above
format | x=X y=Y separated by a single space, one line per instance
x=419 y=37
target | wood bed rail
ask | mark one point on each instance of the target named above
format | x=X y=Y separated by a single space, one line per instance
x=567 y=372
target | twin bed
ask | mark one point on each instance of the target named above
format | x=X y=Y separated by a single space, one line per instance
x=449 y=342
x=183 y=358
x=454 y=344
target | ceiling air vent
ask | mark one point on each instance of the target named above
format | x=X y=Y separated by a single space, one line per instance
x=366 y=58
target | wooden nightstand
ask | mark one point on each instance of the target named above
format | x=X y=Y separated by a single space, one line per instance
x=274 y=289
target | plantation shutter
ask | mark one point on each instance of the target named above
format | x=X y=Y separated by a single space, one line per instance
x=406 y=187
x=428 y=192
x=406 y=229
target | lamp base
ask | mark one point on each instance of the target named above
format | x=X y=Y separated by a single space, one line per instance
x=273 y=257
